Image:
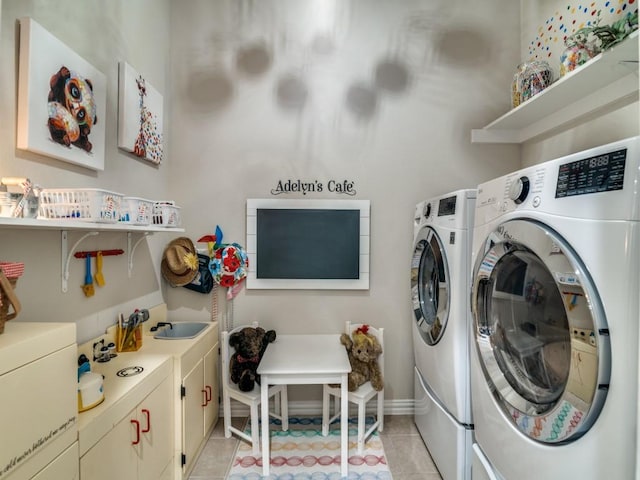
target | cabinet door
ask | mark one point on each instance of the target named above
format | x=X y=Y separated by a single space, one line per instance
x=211 y=386
x=167 y=474
x=192 y=412
x=113 y=456
x=155 y=414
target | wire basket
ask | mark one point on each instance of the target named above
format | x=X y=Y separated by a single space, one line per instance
x=9 y=274
x=86 y=204
x=136 y=211
x=166 y=214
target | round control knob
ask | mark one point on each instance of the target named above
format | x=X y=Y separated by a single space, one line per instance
x=519 y=190
x=427 y=210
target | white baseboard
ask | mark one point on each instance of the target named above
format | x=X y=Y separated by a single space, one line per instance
x=391 y=407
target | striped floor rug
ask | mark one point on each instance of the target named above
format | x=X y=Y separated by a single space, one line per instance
x=302 y=453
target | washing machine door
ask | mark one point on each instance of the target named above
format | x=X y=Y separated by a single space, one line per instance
x=430 y=293
x=540 y=332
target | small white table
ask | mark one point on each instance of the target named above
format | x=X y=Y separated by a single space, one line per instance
x=300 y=360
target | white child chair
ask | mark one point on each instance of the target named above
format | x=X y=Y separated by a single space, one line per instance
x=252 y=399
x=360 y=397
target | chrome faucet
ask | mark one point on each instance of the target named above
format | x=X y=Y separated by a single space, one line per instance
x=161 y=324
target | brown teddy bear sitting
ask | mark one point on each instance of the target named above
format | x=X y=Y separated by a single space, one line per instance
x=363 y=349
x=250 y=344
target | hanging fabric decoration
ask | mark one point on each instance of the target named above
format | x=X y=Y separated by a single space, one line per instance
x=229 y=268
x=228 y=263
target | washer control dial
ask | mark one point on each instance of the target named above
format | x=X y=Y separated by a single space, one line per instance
x=427 y=210
x=519 y=189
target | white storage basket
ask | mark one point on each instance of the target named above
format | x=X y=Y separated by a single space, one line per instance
x=136 y=211
x=166 y=214
x=86 y=204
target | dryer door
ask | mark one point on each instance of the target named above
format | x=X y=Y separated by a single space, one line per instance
x=430 y=294
x=540 y=332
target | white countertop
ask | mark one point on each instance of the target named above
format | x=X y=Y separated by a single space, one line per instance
x=122 y=394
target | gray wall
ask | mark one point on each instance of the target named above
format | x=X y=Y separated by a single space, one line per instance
x=383 y=94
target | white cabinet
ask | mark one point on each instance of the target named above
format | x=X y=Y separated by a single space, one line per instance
x=607 y=82
x=65 y=466
x=199 y=391
x=38 y=395
x=131 y=433
x=167 y=369
x=140 y=445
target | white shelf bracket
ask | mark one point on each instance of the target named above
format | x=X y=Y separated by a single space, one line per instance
x=131 y=250
x=65 y=256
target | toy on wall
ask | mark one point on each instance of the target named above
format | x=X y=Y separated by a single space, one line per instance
x=363 y=349
x=250 y=344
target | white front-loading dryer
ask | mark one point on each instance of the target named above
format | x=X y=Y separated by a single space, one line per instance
x=440 y=284
x=555 y=305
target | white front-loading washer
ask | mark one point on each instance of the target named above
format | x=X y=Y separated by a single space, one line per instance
x=440 y=284
x=555 y=305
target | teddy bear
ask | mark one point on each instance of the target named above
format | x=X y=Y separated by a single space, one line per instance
x=72 y=109
x=363 y=349
x=250 y=344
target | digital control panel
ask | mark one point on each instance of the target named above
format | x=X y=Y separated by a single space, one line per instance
x=447 y=206
x=600 y=173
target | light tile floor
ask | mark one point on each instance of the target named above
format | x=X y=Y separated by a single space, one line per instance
x=406 y=453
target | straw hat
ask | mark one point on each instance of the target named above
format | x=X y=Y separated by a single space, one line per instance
x=179 y=262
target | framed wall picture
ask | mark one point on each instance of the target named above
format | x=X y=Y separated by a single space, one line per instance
x=61 y=100
x=139 y=116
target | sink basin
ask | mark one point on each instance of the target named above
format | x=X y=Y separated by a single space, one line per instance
x=181 y=330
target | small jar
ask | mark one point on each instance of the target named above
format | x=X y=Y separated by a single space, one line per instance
x=535 y=77
x=580 y=49
x=573 y=57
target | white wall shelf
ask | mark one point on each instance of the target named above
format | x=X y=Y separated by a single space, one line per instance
x=33 y=223
x=607 y=82
x=90 y=229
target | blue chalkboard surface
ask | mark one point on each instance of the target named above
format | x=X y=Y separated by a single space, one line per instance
x=308 y=243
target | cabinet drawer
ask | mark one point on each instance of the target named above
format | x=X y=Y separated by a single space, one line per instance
x=64 y=466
